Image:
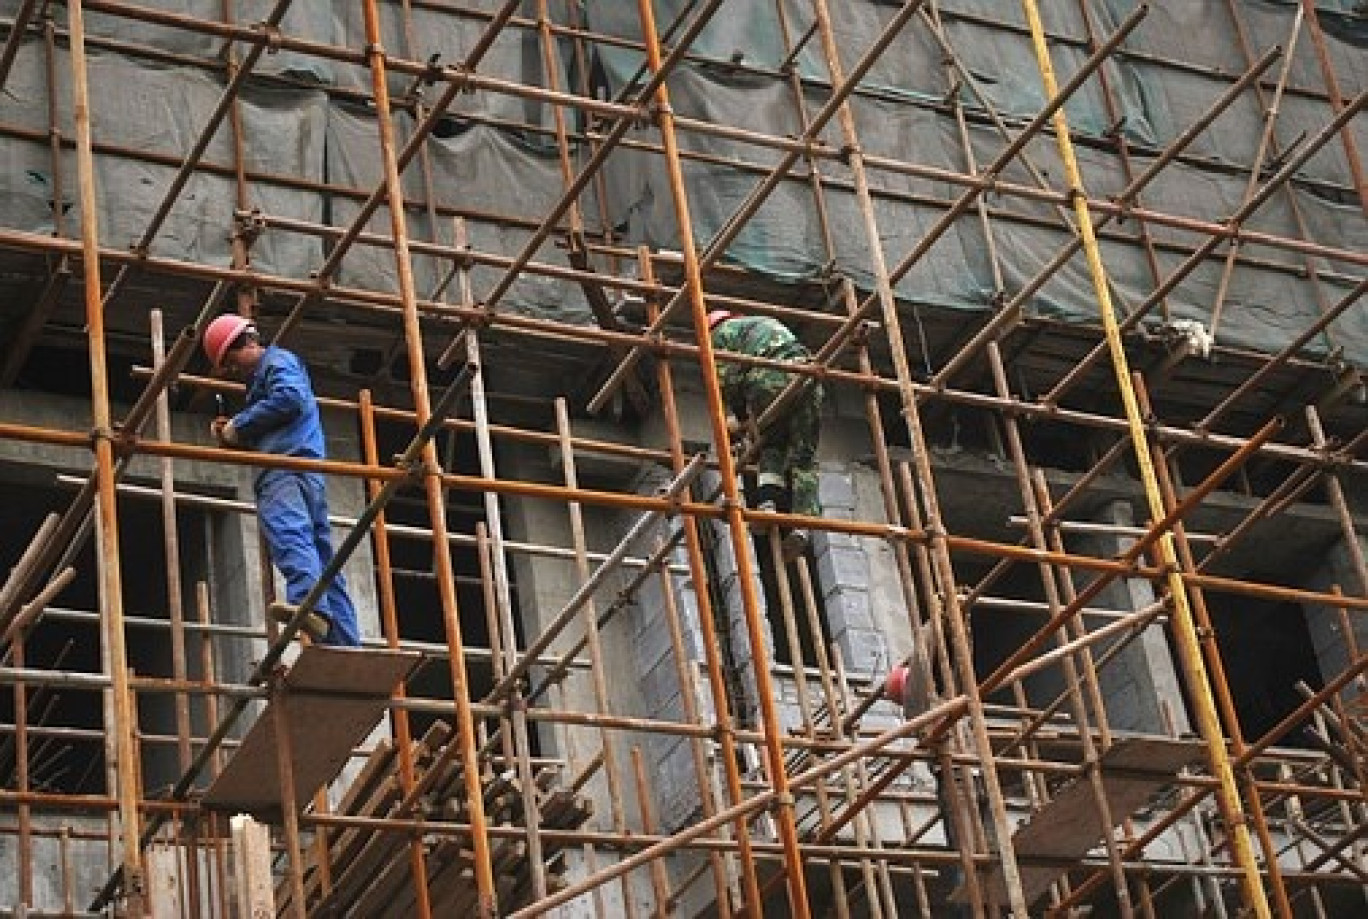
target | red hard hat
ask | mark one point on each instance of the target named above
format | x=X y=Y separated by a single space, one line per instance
x=221 y=333
x=717 y=316
x=895 y=684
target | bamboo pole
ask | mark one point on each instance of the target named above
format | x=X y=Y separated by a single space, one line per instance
x=1336 y=100
x=24 y=856
x=689 y=703
x=1225 y=703
x=175 y=605
x=660 y=878
x=289 y=806
x=227 y=100
x=1235 y=222
x=502 y=615
x=717 y=247
x=789 y=621
x=902 y=540
x=765 y=799
x=656 y=79
x=726 y=734
x=1077 y=674
x=1265 y=139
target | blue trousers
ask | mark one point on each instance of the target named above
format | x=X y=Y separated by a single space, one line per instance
x=292 y=508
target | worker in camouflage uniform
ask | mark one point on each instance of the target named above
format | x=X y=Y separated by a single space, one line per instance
x=788 y=450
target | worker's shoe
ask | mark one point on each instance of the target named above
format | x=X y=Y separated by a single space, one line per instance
x=315 y=625
x=769 y=498
x=795 y=544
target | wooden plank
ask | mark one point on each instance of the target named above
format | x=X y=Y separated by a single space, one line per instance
x=389 y=886
x=374 y=793
x=344 y=850
x=164 y=882
x=1069 y=826
x=252 y=868
x=379 y=850
x=333 y=697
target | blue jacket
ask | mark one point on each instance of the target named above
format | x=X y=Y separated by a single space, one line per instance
x=281 y=414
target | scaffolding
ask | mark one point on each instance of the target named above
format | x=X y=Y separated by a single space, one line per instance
x=506 y=776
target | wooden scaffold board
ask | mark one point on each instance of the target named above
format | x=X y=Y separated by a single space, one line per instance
x=333 y=697
x=1069 y=826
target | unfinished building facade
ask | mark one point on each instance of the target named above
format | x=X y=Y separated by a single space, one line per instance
x=1082 y=285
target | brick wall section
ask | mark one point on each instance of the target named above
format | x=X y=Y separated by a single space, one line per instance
x=843 y=577
x=728 y=594
x=670 y=762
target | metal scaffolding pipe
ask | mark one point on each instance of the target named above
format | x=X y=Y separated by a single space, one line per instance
x=1235 y=227
x=823 y=807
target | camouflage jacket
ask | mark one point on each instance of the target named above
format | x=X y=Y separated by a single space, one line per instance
x=758 y=336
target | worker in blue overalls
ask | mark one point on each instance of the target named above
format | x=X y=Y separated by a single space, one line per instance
x=281 y=416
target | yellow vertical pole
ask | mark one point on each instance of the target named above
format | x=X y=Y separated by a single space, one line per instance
x=1185 y=632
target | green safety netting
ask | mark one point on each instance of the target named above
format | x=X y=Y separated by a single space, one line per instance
x=492 y=155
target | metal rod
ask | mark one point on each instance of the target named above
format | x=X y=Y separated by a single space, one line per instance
x=175 y=606
x=588 y=587
x=1336 y=100
x=598 y=662
x=495 y=578
x=1248 y=384
x=657 y=78
x=717 y=247
x=124 y=725
x=1236 y=225
x=764 y=799
x=436 y=502
x=389 y=623
x=720 y=699
x=774 y=757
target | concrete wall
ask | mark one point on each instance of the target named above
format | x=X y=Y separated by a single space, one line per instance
x=545 y=584
x=1326 y=624
x=88 y=862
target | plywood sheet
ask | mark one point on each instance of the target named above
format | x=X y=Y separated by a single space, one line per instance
x=1069 y=826
x=332 y=698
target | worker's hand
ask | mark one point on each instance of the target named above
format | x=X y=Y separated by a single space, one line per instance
x=224 y=433
x=734 y=427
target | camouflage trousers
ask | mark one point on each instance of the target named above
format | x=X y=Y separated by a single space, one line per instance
x=789 y=446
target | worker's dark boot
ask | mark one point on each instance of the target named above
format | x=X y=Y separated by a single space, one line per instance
x=315 y=624
x=795 y=544
x=769 y=498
